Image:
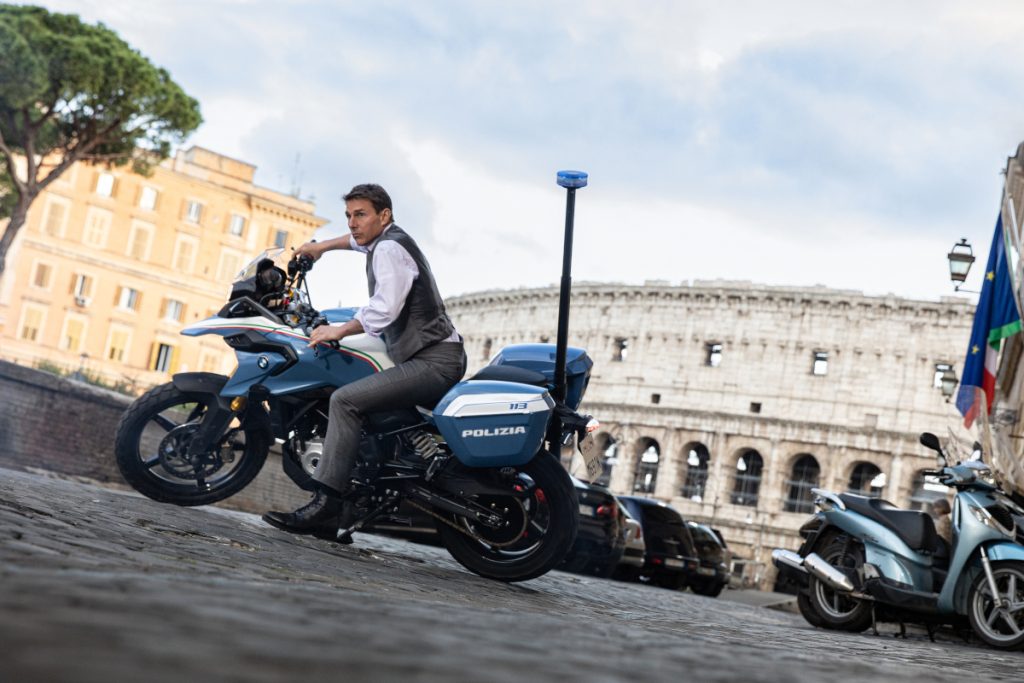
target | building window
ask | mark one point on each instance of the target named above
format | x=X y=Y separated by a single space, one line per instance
x=697 y=460
x=41 y=275
x=209 y=361
x=940 y=370
x=81 y=289
x=802 y=479
x=184 y=254
x=647 y=467
x=866 y=480
x=162 y=357
x=138 y=242
x=117 y=344
x=105 y=185
x=755 y=407
x=193 y=211
x=714 y=354
x=655 y=398
x=174 y=310
x=97 y=226
x=228 y=267
x=610 y=449
x=488 y=343
x=128 y=298
x=237 y=225
x=281 y=238
x=147 y=198
x=748 y=478
x=31 y=325
x=820 y=365
x=55 y=219
x=620 y=351
x=73 y=335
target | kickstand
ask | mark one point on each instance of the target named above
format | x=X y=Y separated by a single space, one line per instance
x=874 y=623
x=902 y=633
x=932 y=629
x=345 y=535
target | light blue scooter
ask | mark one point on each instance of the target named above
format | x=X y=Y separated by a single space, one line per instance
x=864 y=559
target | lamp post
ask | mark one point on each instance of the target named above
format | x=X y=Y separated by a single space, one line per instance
x=948 y=382
x=961 y=256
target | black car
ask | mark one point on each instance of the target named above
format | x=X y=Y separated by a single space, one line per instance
x=600 y=542
x=670 y=558
x=713 y=573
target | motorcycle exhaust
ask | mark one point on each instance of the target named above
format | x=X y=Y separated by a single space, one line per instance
x=826 y=573
x=788 y=558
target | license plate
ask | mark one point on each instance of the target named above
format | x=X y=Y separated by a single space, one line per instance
x=705 y=571
x=587 y=510
x=591 y=457
x=672 y=562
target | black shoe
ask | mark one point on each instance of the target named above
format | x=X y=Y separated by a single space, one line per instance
x=318 y=517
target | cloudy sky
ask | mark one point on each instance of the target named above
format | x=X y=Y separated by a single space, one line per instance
x=794 y=142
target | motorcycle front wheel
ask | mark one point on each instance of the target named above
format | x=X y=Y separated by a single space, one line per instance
x=999 y=619
x=152 y=450
x=543 y=519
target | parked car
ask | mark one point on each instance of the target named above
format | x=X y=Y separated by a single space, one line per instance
x=713 y=573
x=600 y=541
x=633 y=556
x=669 y=556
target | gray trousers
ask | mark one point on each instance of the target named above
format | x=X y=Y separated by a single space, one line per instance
x=422 y=380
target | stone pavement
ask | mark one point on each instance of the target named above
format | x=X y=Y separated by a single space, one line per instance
x=100 y=585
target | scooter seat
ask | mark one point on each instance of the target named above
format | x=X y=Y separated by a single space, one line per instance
x=914 y=528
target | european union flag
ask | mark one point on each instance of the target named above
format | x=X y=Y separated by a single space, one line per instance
x=995 y=319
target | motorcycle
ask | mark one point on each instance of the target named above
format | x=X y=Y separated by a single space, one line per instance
x=483 y=463
x=864 y=559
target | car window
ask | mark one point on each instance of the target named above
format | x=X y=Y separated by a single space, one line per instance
x=662 y=515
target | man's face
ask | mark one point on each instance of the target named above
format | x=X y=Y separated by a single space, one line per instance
x=364 y=222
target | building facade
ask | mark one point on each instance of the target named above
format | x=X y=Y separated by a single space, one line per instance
x=731 y=400
x=110 y=265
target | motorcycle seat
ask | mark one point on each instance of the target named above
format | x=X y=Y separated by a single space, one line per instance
x=914 y=528
x=511 y=373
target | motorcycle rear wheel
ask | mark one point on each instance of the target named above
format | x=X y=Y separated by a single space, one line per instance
x=152 y=440
x=836 y=610
x=551 y=521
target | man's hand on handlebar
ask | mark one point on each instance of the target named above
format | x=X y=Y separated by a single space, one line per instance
x=312 y=249
x=325 y=334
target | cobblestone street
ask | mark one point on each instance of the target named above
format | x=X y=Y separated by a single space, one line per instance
x=100 y=585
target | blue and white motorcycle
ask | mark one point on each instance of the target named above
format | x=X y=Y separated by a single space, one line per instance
x=482 y=463
x=864 y=559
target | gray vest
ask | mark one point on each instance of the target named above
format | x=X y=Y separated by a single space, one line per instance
x=422 y=321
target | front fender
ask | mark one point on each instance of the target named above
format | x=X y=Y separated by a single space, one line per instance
x=1005 y=550
x=200 y=382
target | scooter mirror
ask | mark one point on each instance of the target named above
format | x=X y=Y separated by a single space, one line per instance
x=976 y=452
x=929 y=440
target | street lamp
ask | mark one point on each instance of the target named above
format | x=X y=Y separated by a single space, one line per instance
x=961 y=256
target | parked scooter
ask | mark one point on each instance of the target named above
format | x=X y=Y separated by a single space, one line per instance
x=863 y=559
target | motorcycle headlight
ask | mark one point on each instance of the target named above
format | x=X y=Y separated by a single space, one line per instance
x=986 y=476
x=986 y=518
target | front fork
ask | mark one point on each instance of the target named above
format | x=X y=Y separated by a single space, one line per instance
x=991 y=578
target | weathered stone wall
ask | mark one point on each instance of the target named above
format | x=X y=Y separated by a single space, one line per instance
x=52 y=424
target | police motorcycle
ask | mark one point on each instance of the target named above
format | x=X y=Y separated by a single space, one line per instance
x=483 y=463
x=864 y=559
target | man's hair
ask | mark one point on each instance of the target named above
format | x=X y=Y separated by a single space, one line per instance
x=375 y=194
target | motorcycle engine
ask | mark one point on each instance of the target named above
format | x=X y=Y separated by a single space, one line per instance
x=309 y=454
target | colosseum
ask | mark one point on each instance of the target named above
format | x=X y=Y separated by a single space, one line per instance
x=731 y=400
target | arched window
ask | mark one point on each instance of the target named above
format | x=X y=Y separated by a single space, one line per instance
x=748 y=478
x=803 y=477
x=647 y=467
x=925 y=490
x=866 y=480
x=488 y=343
x=610 y=450
x=697 y=460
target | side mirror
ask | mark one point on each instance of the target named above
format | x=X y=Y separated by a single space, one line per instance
x=977 y=452
x=929 y=440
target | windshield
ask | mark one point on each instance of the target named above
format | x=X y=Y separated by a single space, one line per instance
x=274 y=254
x=706 y=542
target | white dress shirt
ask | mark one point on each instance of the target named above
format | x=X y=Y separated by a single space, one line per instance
x=394 y=271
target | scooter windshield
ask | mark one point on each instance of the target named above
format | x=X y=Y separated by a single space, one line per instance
x=274 y=254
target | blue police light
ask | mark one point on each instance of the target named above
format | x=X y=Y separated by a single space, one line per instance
x=573 y=179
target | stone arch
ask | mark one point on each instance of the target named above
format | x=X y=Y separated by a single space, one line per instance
x=648 y=459
x=695 y=475
x=866 y=479
x=609 y=448
x=804 y=474
x=747 y=475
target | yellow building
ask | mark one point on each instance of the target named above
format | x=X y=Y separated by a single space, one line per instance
x=110 y=265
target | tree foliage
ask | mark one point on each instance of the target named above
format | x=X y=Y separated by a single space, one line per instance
x=71 y=91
